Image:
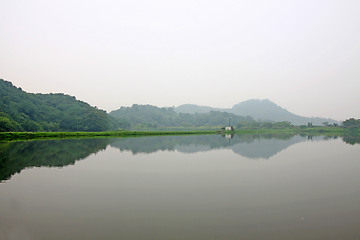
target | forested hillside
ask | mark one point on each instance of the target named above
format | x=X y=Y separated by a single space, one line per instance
x=152 y=117
x=22 y=111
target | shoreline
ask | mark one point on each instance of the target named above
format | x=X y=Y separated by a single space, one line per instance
x=13 y=136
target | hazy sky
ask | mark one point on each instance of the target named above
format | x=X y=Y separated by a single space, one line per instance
x=304 y=55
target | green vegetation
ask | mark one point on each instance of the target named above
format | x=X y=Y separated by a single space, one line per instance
x=350 y=126
x=9 y=136
x=333 y=131
x=338 y=131
x=144 y=117
x=351 y=123
x=265 y=125
x=21 y=111
x=60 y=116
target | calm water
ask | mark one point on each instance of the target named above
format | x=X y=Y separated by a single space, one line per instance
x=181 y=187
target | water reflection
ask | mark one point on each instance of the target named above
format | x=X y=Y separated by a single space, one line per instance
x=351 y=139
x=250 y=145
x=16 y=156
x=309 y=191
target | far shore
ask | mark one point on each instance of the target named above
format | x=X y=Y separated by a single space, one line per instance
x=13 y=136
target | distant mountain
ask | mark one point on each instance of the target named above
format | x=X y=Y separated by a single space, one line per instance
x=266 y=110
x=148 y=116
x=22 y=111
x=192 y=109
x=261 y=110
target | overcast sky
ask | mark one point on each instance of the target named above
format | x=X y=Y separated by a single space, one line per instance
x=304 y=55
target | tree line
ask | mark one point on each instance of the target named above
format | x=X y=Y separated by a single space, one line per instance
x=22 y=111
x=148 y=116
x=351 y=123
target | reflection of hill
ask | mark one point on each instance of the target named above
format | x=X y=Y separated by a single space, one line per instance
x=263 y=147
x=16 y=156
x=252 y=146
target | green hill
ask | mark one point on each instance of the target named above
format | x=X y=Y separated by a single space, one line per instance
x=22 y=111
x=152 y=117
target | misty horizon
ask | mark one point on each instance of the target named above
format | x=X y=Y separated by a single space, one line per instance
x=212 y=108
x=302 y=55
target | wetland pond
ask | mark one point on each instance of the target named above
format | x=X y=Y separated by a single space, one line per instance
x=181 y=187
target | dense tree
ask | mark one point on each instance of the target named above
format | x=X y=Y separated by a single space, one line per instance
x=22 y=111
x=268 y=125
x=283 y=124
x=6 y=123
x=351 y=123
x=147 y=116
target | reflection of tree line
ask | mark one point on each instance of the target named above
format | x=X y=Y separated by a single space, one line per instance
x=170 y=143
x=351 y=139
x=16 y=156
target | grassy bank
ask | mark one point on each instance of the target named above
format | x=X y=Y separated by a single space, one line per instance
x=326 y=131
x=10 y=136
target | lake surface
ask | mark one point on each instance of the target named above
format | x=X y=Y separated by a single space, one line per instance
x=181 y=187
